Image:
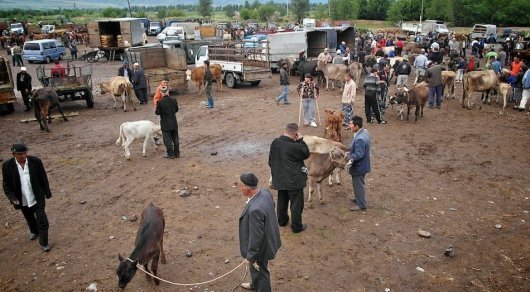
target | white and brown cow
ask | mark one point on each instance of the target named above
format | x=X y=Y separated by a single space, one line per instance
x=478 y=81
x=119 y=86
x=417 y=96
x=333 y=72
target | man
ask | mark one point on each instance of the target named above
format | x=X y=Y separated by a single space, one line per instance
x=501 y=56
x=403 y=71
x=26 y=186
x=341 y=48
x=435 y=84
x=73 y=50
x=526 y=91
x=496 y=66
x=24 y=86
x=167 y=109
x=399 y=47
x=208 y=81
x=360 y=161
x=17 y=55
x=259 y=235
x=324 y=57
x=420 y=65
x=125 y=71
x=371 y=88
x=384 y=78
x=308 y=91
x=139 y=84
x=158 y=92
x=284 y=84
x=58 y=69
x=289 y=175
x=436 y=56
x=348 y=98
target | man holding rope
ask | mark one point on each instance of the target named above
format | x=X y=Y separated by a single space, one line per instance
x=259 y=234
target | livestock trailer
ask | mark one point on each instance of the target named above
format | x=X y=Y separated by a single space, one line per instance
x=347 y=35
x=316 y=43
x=331 y=38
x=114 y=35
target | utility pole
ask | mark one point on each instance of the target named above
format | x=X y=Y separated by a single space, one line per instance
x=130 y=12
x=74 y=5
x=287 y=14
x=329 y=9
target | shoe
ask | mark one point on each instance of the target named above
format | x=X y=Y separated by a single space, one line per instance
x=285 y=103
x=306 y=124
x=357 y=208
x=177 y=155
x=304 y=227
x=282 y=225
x=247 y=286
x=520 y=109
x=33 y=236
x=46 y=248
x=169 y=157
x=313 y=124
x=382 y=122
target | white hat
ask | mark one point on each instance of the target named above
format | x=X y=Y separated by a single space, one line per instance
x=136 y=64
x=326 y=49
x=23 y=69
x=343 y=43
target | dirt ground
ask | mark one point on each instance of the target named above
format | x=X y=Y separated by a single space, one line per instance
x=456 y=173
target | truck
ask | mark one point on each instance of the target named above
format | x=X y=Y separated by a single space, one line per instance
x=190 y=47
x=7 y=88
x=161 y=63
x=155 y=27
x=16 y=28
x=239 y=64
x=113 y=36
x=424 y=28
x=47 y=28
x=172 y=33
x=189 y=28
x=483 y=31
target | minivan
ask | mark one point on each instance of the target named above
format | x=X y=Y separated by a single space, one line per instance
x=43 y=50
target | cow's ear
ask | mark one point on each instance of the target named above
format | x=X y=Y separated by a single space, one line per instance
x=120 y=258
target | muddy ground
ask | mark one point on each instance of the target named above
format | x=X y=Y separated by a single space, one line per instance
x=456 y=173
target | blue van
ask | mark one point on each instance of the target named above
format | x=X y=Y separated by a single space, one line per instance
x=43 y=50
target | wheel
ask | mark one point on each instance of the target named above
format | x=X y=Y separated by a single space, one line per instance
x=31 y=62
x=230 y=80
x=48 y=60
x=92 y=58
x=89 y=99
x=255 y=83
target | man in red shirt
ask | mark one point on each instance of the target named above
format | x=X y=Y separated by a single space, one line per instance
x=58 y=70
x=399 y=47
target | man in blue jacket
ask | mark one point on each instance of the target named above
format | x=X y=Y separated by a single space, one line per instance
x=360 y=161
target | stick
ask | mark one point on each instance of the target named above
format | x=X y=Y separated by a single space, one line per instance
x=318 y=113
x=300 y=111
x=72 y=114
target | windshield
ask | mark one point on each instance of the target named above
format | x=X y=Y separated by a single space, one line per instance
x=16 y=25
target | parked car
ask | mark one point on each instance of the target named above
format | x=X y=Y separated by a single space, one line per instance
x=43 y=50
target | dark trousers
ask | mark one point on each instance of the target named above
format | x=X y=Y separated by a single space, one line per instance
x=141 y=94
x=171 y=141
x=37 y=222
x=25 y=97
x=359 y=190
x=438 y=91
x=296 y=197
x=371 y=104
x=261 y=280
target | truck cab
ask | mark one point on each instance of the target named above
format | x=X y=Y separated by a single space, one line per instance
x=155 y=27
x=48 y=28
x=16 y=27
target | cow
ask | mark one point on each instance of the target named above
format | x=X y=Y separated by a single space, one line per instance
x=119 y=86
x=355 y=69
x=325 y=156
x=304 y=67
x=197 y=75
x=333 y=72
x=332 y=123
x=417 y=96
x=149 y=245
x=448 y=80
x=44 y=100
x=504 y=89
x=137 y=130
x=478 y=81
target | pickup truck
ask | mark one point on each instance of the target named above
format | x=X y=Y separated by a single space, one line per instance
x=16 y=27
x=172 y=33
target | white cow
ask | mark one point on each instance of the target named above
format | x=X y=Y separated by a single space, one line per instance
x=138 y=129
x=333 y=72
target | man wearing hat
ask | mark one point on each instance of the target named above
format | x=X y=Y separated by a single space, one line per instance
x=167 y=109
x=26 y=187
x=139 y=84
x=420 y=63
x=259 y=235
x=324 y=57
x=125 y=71
x=24 y=86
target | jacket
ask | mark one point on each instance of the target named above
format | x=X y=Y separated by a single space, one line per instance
x=23 y=81
x=139 y=79
x=435 y=75
x=360 y=153
x=284 y=78
x=259 y=234
x=167 y=109
x=371 y=84
x=38 y=178
x=121 y=72
x=403 y=68
x=286 y=160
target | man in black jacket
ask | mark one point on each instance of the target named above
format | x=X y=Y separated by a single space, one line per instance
x=24 y=86
x=289 y=175
x=139 y=84
x=167 y=109
x=26 y=186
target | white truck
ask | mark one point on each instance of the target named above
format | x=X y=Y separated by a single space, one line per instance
x=239 y=64
x=16 y=27
x=435 y=26
x=172 y=33
x=286 y=45
x=484 y=31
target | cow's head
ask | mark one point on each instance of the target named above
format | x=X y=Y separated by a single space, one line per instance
x=157 y=134
x=338 y=157
x=104 y=87
x=126 y=270
x=400 y=97
x=188 y=75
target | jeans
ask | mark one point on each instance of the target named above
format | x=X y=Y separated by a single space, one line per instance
x=296 y=198
x=283 y=94
x=308 y=108
x=383 y=94
x=359 y=190
x=438 y=91
x=402 y=80
x=37 y=222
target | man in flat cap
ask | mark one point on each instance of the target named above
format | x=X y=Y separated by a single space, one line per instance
x=259 y=235
x=26 y=186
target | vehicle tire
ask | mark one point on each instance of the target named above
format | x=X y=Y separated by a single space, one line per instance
x=230 y=80
x=7 y=108
x=48 y=60
x=31 y=62
x=89 y=99
x=255 y=83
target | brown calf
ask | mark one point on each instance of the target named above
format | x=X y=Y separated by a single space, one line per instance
x=417 y=96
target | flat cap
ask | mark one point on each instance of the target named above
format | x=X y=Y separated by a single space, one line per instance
x=249 y=179
x=19 y=148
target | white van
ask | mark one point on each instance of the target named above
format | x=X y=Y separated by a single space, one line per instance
x=484 y=31
x=43 y=50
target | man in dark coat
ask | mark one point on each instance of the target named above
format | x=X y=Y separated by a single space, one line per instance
x=139 y=84
x=360 y=161
x=167 y=109
x=289 y=175
x=259 y=235
x=26 y=186
x=125 y=71
x=24 y=86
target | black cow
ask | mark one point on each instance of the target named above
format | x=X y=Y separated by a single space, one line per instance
x=148 y=245
x=44 y=100
x=303 y=67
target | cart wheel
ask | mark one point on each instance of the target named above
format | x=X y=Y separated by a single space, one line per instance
x=89 y=99
x=230 y=80
x=92 y=59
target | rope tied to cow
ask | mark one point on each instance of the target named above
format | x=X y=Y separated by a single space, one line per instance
x=191 y=284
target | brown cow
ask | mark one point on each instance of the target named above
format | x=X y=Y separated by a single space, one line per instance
x=197 y=75
x=448 y=80
x=119 y=86
x=332 y=122
x=478 y=81
x=333 y=72
x=356 y=69
x=417 y=96
x=149 y=245
x=44 y=100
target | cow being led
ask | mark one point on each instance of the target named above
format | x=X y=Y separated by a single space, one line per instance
x=149 y=245
x=138 y=129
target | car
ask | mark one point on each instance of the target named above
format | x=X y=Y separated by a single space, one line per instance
x=16 y=28
x=43 y=50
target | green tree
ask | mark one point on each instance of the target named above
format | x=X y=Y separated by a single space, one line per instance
x=245 y=13
x=373 y=9
x=113 y=12
x=205 y=8
x=344 y=9
x=320 y=11
x=230 y=10
x=404 y=10
x=140 y=14
x=265 y=12
x=300 y=8
x=161 y=13
x=440 y=10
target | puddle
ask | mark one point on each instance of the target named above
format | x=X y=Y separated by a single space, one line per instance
x=242 y=148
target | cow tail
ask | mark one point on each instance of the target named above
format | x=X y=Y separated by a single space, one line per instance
x=464 y=90
x=121 y=137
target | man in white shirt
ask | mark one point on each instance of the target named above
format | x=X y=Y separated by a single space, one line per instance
x=348 y=98
x=420 y=63
x=26 y=186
